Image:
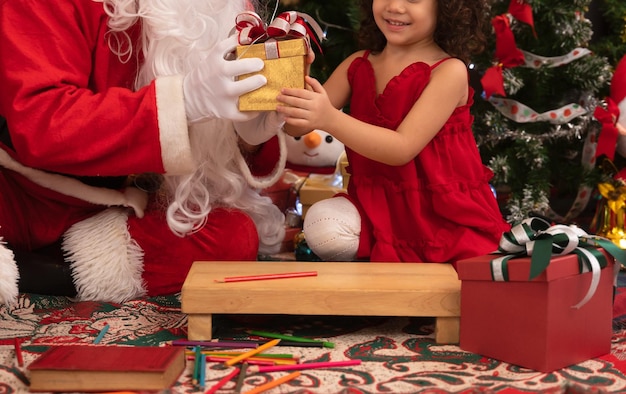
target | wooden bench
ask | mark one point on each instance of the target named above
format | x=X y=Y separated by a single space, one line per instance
x=340 y=288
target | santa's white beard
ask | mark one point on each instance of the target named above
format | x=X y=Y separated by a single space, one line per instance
x=179 y=34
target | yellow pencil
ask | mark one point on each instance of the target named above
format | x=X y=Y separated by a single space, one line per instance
x=274 y=383
x=251 y=353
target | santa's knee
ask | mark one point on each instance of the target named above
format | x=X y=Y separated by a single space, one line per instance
x=332 y=228
x=227 y=235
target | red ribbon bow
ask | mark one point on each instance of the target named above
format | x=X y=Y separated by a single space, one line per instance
x=523 y=12
x=609 y=133
x=507 y=54
x=252 y=29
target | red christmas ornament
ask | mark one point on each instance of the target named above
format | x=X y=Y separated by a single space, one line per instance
x=507 y=54
x=523 y=12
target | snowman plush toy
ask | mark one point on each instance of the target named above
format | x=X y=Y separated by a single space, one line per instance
x=314 y=153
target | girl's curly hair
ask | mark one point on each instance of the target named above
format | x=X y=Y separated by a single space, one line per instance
x=462 y=27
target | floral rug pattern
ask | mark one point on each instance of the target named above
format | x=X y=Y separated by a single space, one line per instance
x=399 y=355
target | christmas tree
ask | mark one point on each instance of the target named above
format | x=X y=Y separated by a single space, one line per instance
x=609 y=21
x=534 y=117
x=340 y=21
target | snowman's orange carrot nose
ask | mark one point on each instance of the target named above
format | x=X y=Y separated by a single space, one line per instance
x=312 y=140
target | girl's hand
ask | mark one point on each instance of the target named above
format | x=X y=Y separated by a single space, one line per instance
x=307 y=109
x=310 y=58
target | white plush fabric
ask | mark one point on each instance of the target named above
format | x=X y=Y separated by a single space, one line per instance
x=9 y=275
x=107 y=264
x=332 y=228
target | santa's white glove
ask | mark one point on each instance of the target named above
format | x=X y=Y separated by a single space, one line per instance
x=261 y=128
x=210 y=89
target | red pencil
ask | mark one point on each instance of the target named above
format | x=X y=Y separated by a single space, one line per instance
x=222 y=381
x=267 y=276
x=18 y=352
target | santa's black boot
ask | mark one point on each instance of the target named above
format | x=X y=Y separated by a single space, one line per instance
x=45 y=272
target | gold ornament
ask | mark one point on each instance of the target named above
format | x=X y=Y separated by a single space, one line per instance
x=611 y=213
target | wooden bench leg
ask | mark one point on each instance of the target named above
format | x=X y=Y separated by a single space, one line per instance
x=447 y=330
x=199 y=327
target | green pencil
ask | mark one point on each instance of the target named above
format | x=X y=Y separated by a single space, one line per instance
x=289 y=338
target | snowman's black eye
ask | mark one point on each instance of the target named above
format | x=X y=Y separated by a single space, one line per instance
x=297 y=138
x=329 y=138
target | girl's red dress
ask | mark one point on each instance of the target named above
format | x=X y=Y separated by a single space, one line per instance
x=437 y=208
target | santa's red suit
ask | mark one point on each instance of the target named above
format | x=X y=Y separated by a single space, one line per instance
x=80 y=121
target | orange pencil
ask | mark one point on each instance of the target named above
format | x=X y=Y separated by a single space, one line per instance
x=251 y=353
x=267 y=386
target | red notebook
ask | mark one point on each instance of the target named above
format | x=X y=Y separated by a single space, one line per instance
x=106 y=368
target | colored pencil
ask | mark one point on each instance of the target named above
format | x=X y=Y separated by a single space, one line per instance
x=269 y=385
x=266 y=276
x=101 y=334
x=217 y=344
x=196 y=365
x=250 y=360
x=299 y=367
x=251 y=353
x=290 y=338
x=300 y=344
x=222 y=381
x=282 y=356
x=202 y=374
x=260 y=355
x=18 y=351
x=215 y=359
x=242 y=377
x=260 y=360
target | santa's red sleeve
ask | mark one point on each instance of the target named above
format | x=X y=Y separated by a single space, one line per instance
x=69 y=102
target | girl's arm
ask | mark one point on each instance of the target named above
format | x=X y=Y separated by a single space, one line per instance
x=447 y=89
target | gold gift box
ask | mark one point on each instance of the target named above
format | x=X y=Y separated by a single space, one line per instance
x=319 y=187
x=286 y=71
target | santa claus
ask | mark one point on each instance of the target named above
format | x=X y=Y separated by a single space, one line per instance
x=95 y=95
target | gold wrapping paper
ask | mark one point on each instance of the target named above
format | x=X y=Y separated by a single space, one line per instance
x=287 y=71
x=319 y=187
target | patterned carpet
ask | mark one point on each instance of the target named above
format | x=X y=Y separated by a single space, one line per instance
x=398 y=355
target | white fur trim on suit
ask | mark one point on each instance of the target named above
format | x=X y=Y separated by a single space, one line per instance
x=73 y=187
x=9 y=276
x=173 y=130
x=106 y=262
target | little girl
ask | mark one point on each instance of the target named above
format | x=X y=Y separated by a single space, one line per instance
x=418 y=190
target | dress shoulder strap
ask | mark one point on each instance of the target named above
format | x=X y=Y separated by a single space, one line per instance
x=439 y=62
